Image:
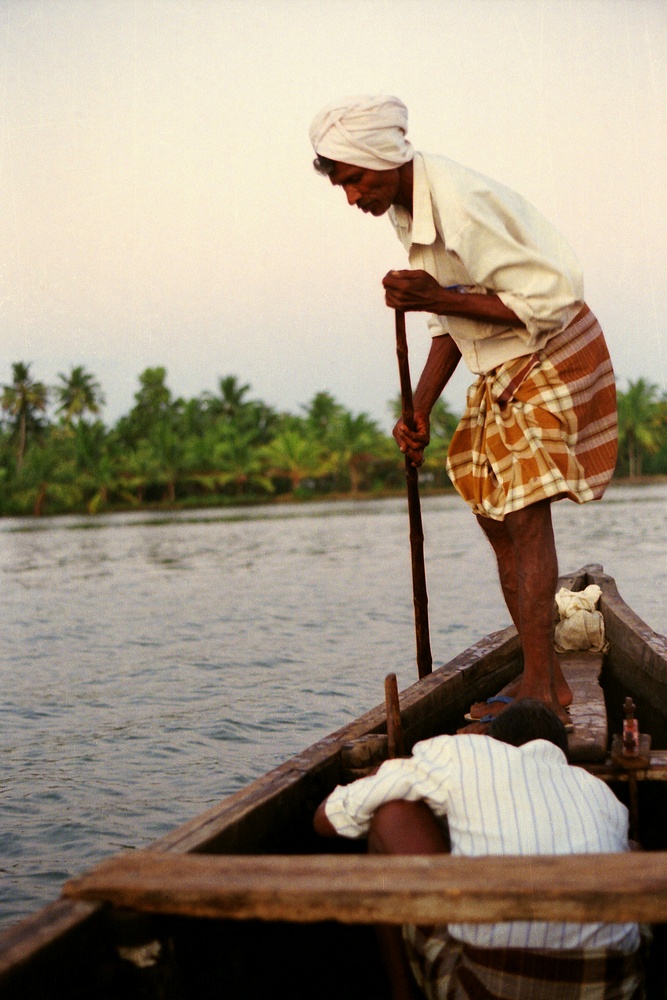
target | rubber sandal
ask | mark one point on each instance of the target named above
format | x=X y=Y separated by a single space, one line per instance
x=503 y=699
x=567 y=726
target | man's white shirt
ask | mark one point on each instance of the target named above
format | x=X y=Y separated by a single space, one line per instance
x=468 y=230
x=501 y=799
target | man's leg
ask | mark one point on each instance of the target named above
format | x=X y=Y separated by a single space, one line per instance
x=402 y=828
x=503 y=547
x=528 y=569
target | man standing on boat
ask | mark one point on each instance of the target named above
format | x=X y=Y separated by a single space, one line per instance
x=505 y=292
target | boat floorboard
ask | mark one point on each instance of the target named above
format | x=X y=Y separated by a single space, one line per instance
x=589 y=740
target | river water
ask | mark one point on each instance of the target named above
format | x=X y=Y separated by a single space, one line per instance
x=152 y=664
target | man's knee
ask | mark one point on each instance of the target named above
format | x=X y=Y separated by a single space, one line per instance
x=493 y=529
x=401 y=827
x=533 y=520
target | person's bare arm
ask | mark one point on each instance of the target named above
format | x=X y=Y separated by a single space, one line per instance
x=440 y=365
x=321 y=822
x=418 y=291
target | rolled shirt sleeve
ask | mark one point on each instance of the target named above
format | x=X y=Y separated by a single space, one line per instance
x=350 y=808
x=544 y=290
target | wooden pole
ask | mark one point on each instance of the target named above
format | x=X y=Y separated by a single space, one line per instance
x=420 y=595
x=396 y=747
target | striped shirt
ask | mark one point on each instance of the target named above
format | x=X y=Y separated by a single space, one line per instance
x=501 y=799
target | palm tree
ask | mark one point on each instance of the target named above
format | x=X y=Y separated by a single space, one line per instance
x=24 y=400
x=78 y=393
x=232 y=396
x=96 y=464
x=103 y=480
x=322 y=413
x=232 y=409
x=239 y=464
x=292 y=455
x=354 y=441
x=164 y=456
x=153 y=405
x=50 y=475
x=641 y=424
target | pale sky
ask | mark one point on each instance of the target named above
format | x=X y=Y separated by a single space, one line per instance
x=158 y=205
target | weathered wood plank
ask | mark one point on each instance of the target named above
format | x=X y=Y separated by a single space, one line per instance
x=589 y=740
x=656 y=772
x=53 y=923
x=638 y=655
x=370 y=889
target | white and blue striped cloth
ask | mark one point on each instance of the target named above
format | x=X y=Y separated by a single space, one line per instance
x=501 y=799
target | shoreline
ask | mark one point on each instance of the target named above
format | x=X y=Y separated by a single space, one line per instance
x=286 y=500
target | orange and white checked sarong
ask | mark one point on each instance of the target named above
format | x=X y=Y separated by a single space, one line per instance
x=538 y=427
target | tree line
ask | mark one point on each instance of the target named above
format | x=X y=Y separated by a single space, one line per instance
x=57 y=455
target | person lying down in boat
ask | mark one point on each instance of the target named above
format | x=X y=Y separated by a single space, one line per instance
x=505 y=292
x=510 y=791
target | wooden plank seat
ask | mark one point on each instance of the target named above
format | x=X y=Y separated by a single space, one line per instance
x=370 y=888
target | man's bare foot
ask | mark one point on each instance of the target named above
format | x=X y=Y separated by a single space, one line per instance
x=479 y=728
x=553 y=704
x=489 y=709
x=496 y=708
x=562 y=715
x=479 y=709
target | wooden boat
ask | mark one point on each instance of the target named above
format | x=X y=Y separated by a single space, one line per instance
x=242 y=901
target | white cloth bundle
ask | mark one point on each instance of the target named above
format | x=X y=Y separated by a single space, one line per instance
x=580 y=625
x=367 y=132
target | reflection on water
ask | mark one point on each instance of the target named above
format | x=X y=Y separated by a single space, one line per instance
x=152 y=664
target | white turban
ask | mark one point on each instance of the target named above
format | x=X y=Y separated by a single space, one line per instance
x=366 y=132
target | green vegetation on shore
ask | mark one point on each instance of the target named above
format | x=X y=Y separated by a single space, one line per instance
x=58 y=456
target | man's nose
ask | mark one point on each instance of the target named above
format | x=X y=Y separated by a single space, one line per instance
x=352 y=195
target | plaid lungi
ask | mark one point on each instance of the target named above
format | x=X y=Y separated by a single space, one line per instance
x=447 y=969
x=539 y=427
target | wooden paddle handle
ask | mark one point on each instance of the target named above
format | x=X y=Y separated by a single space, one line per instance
x=419 y=592
x=407 y=408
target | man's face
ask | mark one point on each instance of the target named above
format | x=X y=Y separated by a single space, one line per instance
x=373 y=191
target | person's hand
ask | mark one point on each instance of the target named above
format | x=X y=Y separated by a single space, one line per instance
x=412 y=291
x=413 y=442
